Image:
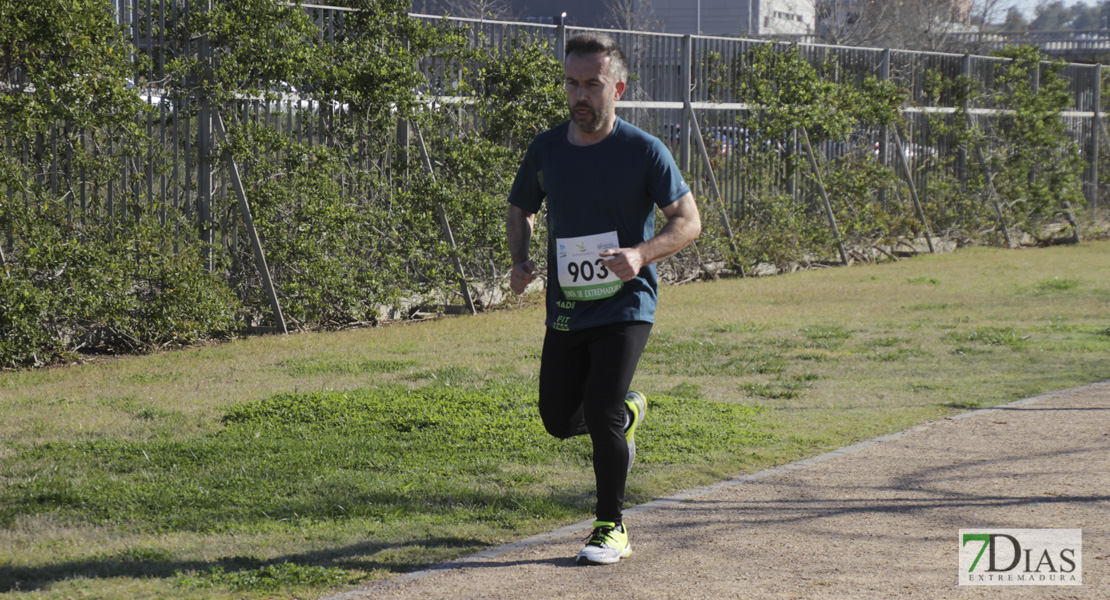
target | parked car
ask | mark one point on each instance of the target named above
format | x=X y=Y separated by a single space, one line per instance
x=285 y=97
x=913 y=152
x=722 y=140
x=671 y=135
x=154 y=97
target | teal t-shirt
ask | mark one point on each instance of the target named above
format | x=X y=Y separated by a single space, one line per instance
x=613 y=185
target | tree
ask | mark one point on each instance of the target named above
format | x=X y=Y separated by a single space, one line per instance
x=1051 y=16
x=982 y=13
x=1015 y=20
x=66 y=62
x=926 y=24
x=854 y=22
x=917 y=25
x=90 y=263
x=632 y=15
x=469 y=9
x=1085 y=17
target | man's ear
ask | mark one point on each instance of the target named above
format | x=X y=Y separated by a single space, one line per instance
x=620 y=90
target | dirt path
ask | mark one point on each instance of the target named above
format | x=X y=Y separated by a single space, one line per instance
x=879 y=519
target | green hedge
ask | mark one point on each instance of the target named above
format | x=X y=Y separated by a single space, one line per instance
x=352 y=226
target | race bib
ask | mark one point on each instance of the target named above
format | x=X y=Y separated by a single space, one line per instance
x=582 y=274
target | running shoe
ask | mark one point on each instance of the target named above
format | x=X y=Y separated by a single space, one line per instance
x=607 y=544
x=637 y=410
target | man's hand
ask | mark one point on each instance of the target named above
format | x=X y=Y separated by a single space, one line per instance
x=519 y=226
x=623 y=262
x=523 y=273
x=683 y=225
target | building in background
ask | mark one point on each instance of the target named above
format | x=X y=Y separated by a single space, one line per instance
x=737 y=17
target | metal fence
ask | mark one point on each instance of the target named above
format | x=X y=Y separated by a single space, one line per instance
x=667 y=72
x=1092 y=43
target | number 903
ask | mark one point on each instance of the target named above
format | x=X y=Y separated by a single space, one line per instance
x=586 y=271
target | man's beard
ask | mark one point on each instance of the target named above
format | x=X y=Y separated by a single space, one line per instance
x=590 y=125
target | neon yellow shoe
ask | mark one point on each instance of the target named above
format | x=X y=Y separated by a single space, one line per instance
x=637 y=408
x=607 y=544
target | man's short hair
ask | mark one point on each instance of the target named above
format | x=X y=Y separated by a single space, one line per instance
x=599 y=43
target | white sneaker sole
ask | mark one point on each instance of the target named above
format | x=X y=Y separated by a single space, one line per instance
x=597 y=559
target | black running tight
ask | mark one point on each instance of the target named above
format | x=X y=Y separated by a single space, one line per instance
x=584 y=376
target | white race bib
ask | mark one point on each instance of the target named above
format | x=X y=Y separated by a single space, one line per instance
x=581 y=272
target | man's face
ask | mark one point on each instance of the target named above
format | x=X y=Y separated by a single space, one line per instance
x=592 y=91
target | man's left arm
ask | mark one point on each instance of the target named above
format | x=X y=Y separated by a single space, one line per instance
x=682 y=227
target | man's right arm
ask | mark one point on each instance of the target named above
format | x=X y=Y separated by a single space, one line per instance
x=519 y=225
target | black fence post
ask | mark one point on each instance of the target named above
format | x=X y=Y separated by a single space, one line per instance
x=1096 y=124
x=560 y=37
x=687 y=57
x=205 y=230
x=961 y=156
x=884 y=131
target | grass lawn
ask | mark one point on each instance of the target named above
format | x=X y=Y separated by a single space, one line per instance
x=292 y=466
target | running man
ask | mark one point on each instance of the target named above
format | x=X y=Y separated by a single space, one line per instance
x=602 y=179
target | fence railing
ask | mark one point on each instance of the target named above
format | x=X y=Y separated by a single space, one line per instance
x=671 y=69
x=358 y=223
x=1056 y=42
x=667 y=71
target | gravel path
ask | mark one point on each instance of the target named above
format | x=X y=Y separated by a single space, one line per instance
x=879 y=519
